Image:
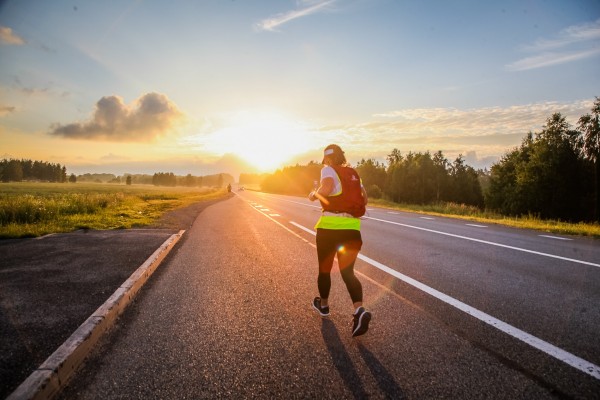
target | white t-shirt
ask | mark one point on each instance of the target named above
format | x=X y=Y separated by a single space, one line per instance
x=329 y=172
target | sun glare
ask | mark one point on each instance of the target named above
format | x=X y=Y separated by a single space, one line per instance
x=265 y=140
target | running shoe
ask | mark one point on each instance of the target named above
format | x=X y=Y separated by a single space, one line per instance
x=361 y=321
x=324 y=311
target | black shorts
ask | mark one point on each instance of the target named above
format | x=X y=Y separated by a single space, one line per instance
x=345 y=243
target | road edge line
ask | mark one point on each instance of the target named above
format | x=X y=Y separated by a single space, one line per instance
x=49 y=378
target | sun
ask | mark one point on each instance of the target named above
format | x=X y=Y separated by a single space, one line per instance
x=264 y=139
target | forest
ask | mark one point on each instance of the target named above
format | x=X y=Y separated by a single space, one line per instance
x=41 y=171
x=553 y=174
x=28 y=170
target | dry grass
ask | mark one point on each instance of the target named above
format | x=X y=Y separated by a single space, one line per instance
x=474 y=214
x=33 y=209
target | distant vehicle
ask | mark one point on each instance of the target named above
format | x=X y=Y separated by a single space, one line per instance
x=241 y=188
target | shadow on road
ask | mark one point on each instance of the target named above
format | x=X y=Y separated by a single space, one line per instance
x=385 y=380
x=345 y=367
x=341 y=360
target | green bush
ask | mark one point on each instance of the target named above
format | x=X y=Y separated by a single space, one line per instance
x=374 y=192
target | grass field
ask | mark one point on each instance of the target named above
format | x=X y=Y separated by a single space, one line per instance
x=474 y=214
x=30 y=209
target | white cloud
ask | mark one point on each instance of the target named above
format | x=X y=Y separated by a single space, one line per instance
x=560 y=49
x=271 y=24
x=4 y=110
x=7 y=36
x=489 y=131
x=572 y=34
x=482 y=121
x=548 y=59
x=114 y=157
x=150 y=116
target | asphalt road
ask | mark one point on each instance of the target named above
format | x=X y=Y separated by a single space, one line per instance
x=228 y=313
x=50 y=285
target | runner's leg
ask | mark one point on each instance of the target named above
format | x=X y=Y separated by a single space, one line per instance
x=347 y=255
x=326 y=249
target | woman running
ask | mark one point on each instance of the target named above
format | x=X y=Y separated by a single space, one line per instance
x=343 y=199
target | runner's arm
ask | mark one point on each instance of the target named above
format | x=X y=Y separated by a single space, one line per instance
x=324 y=190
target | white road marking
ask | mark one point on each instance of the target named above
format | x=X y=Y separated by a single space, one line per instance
x=303 y=228
x=477 y=226
x=487 y=242
x=302 y=204
x=465 y=237
x=554 y=237
x=551 y=350
x=393 y=212
x=275 y=215
x=48 y=235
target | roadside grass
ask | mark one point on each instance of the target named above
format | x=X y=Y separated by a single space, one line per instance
x=471 y=213
x=31 y=209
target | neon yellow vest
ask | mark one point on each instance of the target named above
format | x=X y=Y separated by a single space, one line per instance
x=331 y=222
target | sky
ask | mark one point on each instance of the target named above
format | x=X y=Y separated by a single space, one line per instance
x=210 y=86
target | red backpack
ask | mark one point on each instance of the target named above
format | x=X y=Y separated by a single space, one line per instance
x=351 y=200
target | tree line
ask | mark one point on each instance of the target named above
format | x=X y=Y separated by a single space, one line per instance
x=159 y=179
x=554 y=174
x=27 y=170
x=170 y=179
x=417 y=178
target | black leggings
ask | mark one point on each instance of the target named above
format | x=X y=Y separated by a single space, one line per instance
x=346 y=244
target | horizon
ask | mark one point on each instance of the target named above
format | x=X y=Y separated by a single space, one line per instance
x=238 y=88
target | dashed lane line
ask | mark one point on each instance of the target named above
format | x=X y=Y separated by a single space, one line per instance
x=554 y=237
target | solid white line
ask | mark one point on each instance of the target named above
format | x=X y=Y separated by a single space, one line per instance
x=303 y=228
x=487 y=242
x=554 y=237
x=477 y=226
x=466 y=238
x=550 y=349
